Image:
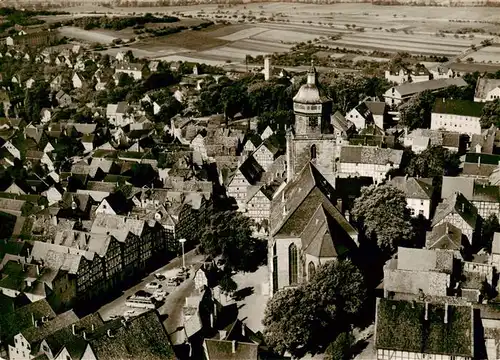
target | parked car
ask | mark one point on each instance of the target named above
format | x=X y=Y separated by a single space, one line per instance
x=160 y=277
x=153 y=285
x=174 y=281
x=143 y=294
x=129 y=313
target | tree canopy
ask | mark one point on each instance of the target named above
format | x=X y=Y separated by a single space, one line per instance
x=229 y=234
x=307 y=318
x=382 y=214
x=416 y=112
x=491 y=114
x=435 y=161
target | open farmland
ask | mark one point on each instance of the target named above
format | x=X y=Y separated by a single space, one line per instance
x=345 y=31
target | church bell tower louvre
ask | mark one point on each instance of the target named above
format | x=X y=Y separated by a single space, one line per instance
x=312 y=138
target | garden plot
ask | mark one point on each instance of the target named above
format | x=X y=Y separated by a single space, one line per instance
x=487 y=55
x=279 y=47
x=192 y=59
x=230 y=53
x=396 y=46
x=258 y=47
x=285 y=36
x=414 y=38
x=243 y=34
x=369 y=58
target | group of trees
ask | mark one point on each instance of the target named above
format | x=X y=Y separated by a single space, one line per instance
x=119 y=23
x=382 y=215
x=306 y=319
x=491 y=114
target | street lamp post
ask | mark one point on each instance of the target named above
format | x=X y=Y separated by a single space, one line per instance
x=182 y=241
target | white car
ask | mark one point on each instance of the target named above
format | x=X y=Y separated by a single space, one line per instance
x=160 y=293
x=153 y=285
x=129 y=313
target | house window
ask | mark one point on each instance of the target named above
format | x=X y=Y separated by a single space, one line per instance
x=311 y=269
x=313 y=152
x=292 y=264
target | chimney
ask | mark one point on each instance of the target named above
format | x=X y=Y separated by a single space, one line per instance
x=447 y=228
x=479 y=161
x=84 y=335
x=37 y=270
x=73 y=329
x=33 y=319
x=347 y=216
x=426 y=311
x=93 y=327
x=234 y=346
x=406 y=177
x=124 y=323
x=340 y=205
x=243 y=331
x=110 y=335
x=284 y=210
x=446 y=313
x=463 y=207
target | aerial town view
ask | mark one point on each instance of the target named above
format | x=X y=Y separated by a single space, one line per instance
x=243 y=180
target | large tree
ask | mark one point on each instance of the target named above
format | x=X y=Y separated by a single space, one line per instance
x=308 y=318
x=229 y=234
x=416 y=112
x=491 y=114
x=435 y=161
x=489 y=226
x=382 y=214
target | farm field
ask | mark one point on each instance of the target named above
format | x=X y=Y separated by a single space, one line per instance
x=276 y=27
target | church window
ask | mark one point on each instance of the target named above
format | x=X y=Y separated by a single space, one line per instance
x=292 y=264
x=313 y=152
x=313 y=122
x=311 y=270
x=275 y=269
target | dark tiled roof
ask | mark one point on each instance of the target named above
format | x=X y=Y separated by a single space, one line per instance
x=323 y=236
x=13 y=323
x=223 y=350
x=458 y=107
x=401 y=325
x=370 y=155
x=432 y=85
x=36 y=334
x=251 y=170
x=458 y=204
x=445 y=236
x=119 y=203
x=74 y=344
x=413 y=187
x=143 y=337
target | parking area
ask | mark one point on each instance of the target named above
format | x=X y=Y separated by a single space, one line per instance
x=118 y=307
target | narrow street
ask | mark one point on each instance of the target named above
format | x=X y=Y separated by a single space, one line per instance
x=174 y=301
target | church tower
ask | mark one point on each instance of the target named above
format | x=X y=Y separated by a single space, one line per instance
x=312 y=137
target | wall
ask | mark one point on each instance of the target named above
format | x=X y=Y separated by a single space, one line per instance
x=326 y=153
x=383 y=354
x=457 y=123
x=282 y=246
x=258 y=207
x=419 y=206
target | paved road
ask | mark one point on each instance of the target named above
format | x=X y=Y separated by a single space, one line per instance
x=173 y=302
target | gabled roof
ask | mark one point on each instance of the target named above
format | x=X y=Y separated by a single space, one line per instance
x=414 y=188
x=74 y=344
x=142 y=337
x=223 y=350
x=445 y=236
x=459 y=205
x=401 y=325
x=340 y=123
x=13 y=323
x=293 y=210
x=414 y=88
x=323 y=237
x=370 y=155
x=251 y=170
x=118 y=202
x=424 y=260
x=458 y=107
x=484 y=86
x=35 y=334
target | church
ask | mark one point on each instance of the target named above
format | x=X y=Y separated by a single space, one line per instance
x=307 y=223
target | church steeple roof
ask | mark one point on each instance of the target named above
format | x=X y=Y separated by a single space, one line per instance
x=309 y=93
